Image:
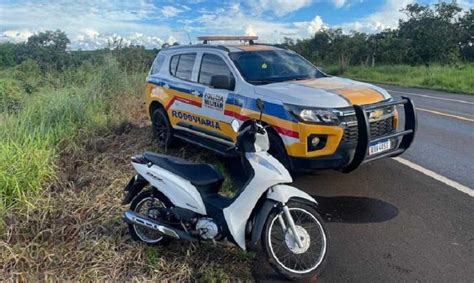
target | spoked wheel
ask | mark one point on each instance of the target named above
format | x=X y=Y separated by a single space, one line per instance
x=148 y=204
x=162 y=127
x=293 y=260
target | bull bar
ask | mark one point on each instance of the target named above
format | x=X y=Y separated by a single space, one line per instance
x=364 y=142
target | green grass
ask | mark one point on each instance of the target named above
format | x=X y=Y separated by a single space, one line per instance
x=46 y=121
x=65 y=146
x=459 y=79
x=213 y=273
x=152 y=256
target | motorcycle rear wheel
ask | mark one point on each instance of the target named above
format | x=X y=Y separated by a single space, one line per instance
x=143 y=204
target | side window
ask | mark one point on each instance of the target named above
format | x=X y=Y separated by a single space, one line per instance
x=182 y=66
x=157 y=64
x=212 y=65
x=174 y=64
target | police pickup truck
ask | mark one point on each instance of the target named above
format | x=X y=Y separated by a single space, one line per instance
x=316 y=121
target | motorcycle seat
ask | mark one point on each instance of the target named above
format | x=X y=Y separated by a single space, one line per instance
x=204 y=176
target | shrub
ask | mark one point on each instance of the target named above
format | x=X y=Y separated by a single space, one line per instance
x=29 y=75
x=10 y=96
x=111 y=79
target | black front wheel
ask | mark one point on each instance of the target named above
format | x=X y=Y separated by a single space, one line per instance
x=291 y=259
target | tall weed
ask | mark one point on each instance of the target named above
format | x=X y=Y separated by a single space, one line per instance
x=52 y=117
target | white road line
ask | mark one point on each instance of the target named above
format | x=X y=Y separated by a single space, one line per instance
x=445 y=114
x=436 y=176
x=434 y=97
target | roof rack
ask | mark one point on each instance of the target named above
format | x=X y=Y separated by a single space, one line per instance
x=222 y=47
x=277 y=45
x=249 y=38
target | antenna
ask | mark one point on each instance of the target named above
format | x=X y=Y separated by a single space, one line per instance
x=189 y=37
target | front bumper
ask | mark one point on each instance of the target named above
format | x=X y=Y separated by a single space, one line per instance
x=349 y=157
x=340 y=159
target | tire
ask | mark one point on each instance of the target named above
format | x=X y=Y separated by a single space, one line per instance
x=145 y=235
x=162 y=129
x=278 y=150
x=282 y=253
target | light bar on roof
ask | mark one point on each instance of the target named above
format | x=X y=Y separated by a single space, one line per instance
x=248 y=38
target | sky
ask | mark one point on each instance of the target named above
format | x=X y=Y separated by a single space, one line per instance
x=90 y=24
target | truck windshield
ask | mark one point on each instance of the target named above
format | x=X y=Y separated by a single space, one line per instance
x=271 y=66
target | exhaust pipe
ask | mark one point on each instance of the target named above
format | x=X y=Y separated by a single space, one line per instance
x=131 y=217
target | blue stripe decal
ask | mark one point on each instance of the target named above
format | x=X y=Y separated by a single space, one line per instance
x=271 y=109
x=190 y=90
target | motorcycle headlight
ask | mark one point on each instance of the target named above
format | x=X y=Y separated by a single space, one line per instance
x=313 y=115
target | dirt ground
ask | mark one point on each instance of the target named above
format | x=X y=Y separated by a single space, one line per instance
x=75 y=231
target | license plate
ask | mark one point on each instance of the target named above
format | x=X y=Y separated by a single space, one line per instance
x=379 y=147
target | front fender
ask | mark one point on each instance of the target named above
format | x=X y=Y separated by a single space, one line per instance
x=276 y=196
x=260 y=220
x=283 y=193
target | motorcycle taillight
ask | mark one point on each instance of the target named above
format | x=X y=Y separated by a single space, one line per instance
x=139 y=159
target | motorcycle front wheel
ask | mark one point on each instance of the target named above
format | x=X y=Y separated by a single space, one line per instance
x=287 y=257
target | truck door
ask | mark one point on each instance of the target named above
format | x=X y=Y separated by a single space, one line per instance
x=214 y=99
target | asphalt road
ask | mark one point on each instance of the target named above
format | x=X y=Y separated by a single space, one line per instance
x=389 y=222
x=444 y=144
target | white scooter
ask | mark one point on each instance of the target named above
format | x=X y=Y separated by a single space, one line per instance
x=182 y=202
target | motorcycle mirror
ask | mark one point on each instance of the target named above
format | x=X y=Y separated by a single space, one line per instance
x=235 y=125
x=260 y=106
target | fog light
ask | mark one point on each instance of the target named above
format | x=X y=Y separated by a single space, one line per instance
x=314 y=142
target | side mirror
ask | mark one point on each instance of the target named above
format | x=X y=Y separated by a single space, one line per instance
x=222 y=82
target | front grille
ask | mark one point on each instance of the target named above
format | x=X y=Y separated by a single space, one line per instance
x=350 y=134
x=377 y=129
x=381 y=127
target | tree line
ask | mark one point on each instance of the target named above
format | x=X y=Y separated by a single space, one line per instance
x=48 y=51
x=442 y=33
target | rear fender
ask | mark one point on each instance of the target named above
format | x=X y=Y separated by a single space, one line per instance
x=134 y=187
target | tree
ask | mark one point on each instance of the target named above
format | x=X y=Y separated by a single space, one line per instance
x=431 y=34
x=7 y=54
x=319 y=45
x=359 y=48
x=48 y=49
x=386 y=47
x=340 y=48
x=133 y=58
x=466 y=43
x=437 y=33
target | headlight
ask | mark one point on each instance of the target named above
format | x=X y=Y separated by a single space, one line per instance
x=313 y=115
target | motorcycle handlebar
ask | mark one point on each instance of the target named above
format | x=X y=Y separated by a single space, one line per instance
x=250 y=130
